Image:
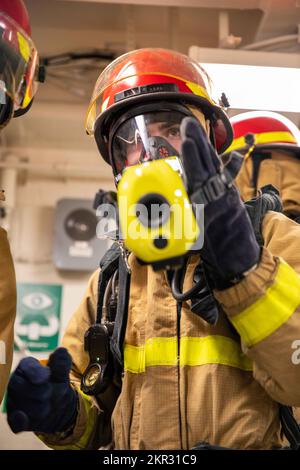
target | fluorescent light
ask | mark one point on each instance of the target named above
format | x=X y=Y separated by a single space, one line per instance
x=253 y=79
x=257 y=87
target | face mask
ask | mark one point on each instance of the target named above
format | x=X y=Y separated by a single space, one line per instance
x=146 y=137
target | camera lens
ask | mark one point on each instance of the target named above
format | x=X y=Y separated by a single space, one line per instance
x=153 y=210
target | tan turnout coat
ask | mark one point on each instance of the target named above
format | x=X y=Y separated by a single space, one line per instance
x=186 y=381
x=7 y=310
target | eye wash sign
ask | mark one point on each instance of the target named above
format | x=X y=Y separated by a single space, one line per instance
x=38 y=316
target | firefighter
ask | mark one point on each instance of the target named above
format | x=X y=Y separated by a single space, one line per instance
x=18 y=79
x=271 y=144
x=181 y=380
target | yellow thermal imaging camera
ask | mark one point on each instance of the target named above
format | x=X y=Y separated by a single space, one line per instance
x=157 y=221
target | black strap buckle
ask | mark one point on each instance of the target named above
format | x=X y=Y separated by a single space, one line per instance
x=214 y=188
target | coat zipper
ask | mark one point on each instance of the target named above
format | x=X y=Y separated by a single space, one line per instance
x=178 y=308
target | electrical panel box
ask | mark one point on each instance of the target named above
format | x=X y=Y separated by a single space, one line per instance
x=76 y=246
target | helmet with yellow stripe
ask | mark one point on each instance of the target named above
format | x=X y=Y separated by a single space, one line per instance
x=19 y=62
x=264 y=130
x=148 y=76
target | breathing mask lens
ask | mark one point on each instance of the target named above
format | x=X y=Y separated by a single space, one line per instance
x=149 y=136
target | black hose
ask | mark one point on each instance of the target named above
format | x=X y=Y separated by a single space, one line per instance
x=175 y=287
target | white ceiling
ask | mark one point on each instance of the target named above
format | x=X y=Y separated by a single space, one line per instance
x=249 y=18
x=61 y=26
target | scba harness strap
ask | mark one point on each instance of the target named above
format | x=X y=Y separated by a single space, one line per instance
x=103 y=341
x=113 y=261
x=268 y=199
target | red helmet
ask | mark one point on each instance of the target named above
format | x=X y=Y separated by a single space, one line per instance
x=16 y=10
x=18 y=60
x=153 y=75
x=264 y=130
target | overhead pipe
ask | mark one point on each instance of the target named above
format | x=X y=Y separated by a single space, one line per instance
x=270 y=42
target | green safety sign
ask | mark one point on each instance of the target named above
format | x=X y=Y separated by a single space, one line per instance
x=38 y=316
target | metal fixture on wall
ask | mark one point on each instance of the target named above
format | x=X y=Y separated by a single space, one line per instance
x=75 y=245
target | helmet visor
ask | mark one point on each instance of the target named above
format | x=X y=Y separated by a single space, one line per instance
x=145 y=137
x=18 y=64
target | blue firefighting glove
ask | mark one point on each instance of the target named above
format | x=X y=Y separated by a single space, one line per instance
x=230 y=248
x=40 y=398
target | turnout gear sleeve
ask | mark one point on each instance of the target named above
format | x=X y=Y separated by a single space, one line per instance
x=264 y=308
x=92 y=428
x=7 y=310
x=280 y=169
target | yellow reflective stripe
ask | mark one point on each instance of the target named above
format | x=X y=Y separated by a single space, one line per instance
x=273 y=309
x=213 y=350
x=161 y=352
x=97 y=97
x=263 y=138
x=156 y=352
x=200 y=91
x=27 y=98
x=134 y=358
x=24 y=46
x=90 y=425
x=194 y=351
